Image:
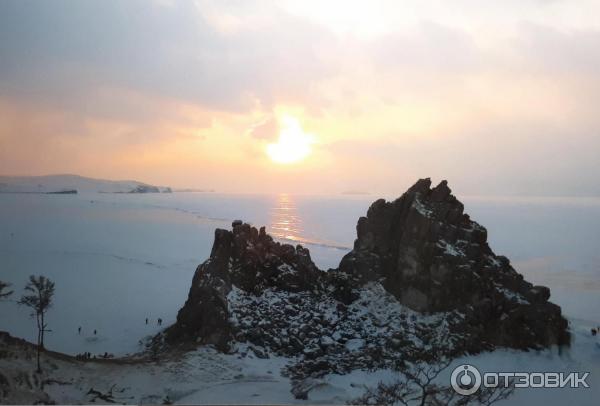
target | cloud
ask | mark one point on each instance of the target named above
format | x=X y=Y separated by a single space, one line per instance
x=498 y=98
x=547 y=50
x=60 y=51
x=267 y=129
x=429 y=48
x=504 y=157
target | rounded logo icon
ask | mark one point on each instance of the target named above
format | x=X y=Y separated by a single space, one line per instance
x=465 y=379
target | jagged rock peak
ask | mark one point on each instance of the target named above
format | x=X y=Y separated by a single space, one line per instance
x=245 y=258
x=420 y=253
x=430 y=254
x=250 y=259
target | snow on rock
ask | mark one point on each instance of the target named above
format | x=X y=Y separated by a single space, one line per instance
x=354 y=344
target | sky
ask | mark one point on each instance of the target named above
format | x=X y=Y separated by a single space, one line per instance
x=499 y=98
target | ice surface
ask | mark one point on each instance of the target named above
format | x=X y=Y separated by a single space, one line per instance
x=117 y=259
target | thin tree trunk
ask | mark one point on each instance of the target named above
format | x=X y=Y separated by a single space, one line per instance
x=39 y=367
x=41 y=313
x=39 y=341
x=43 y=330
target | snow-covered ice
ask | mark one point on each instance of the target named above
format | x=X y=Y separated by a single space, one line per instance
x=119 y=259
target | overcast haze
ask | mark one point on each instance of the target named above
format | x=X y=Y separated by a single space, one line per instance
x=500 y=98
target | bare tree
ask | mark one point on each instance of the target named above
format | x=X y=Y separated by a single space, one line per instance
x=417 y=383
x=4 y=292
x=39 y=299
x=416 y=386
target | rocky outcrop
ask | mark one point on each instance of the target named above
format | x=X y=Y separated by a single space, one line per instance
x=420 y=270
x=145 y=189
x=433 y=257
x=247 y=259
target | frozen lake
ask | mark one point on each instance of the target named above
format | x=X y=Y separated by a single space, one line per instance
x=118 y=259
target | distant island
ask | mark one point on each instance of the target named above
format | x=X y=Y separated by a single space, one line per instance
x=73 y=184
x=63 y=192
x=194 y=190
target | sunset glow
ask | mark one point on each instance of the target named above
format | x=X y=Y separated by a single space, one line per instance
x=304 y=96
x=293 y=144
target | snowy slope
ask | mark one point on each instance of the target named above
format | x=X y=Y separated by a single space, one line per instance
x=205 y=376
x=57 y=183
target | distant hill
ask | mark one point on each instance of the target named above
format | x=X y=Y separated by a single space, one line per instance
x=64 y=183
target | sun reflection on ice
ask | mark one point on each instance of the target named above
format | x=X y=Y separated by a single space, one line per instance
x=285 y=221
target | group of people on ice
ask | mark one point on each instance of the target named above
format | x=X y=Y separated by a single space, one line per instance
x=158 y=322
x=88 y=355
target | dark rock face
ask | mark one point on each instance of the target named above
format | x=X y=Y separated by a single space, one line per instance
x=420 y=269
x=250 y=260
x=433 y=257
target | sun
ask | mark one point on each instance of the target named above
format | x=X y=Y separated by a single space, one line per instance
x=293 y=144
